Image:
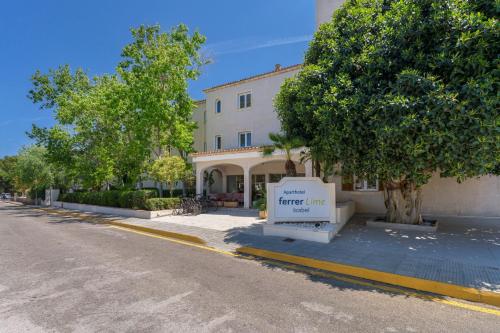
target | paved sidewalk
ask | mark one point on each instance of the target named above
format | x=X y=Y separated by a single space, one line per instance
x=464 y=251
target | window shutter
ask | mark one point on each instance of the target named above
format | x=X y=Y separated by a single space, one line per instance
x=347 y=183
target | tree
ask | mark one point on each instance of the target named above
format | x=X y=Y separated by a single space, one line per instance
x=399 y=90
x=7 y=176
x=32 y=170
x=156 y=68
x=170 y=170
x=110 y=127
x=285 y=143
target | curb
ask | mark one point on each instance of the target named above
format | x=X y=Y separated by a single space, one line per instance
x=103 y=220
x=440 y=288
x=164 y=233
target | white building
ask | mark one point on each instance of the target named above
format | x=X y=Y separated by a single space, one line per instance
x=234 y=122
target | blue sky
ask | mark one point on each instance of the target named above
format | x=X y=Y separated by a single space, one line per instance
x=243 y=38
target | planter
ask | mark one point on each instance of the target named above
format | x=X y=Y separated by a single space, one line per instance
x=428 y=226
x=231 y=204
x=125 y=212
x=323 y=234
x=263 y=214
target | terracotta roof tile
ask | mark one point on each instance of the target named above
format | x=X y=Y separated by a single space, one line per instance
x=226 y=151
x=251 y=78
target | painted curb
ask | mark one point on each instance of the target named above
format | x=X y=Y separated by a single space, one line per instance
x=164 y=233
x=440 y=288
x=103 y=220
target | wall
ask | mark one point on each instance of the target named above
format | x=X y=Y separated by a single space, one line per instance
x=260 y=119
x=441 y=197
x=325 y=9
x=199 y=133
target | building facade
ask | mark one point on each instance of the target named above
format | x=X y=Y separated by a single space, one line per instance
x=234 y=123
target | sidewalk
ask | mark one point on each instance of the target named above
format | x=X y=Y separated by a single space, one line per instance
x=464 y=251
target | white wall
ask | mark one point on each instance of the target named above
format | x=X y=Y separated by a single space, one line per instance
x=325 y=9
x=441 y=197
x=260 y=119
x=199 y=133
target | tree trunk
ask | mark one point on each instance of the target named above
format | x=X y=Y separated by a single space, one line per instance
x=317 y=168
x=403 y=201
x=171 y=187
x=290 y=169
x=160 y=191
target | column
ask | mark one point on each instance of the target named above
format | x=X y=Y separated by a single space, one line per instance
x=224 y=182
x=309 y=168
x=247 y=197
x=199 y=180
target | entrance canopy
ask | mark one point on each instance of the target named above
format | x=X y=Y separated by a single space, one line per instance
x=242 y=169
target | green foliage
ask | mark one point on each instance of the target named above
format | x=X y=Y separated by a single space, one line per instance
x=7 y=174
x=109 y=127
x=170 y=169
x=177 y=193
x=32 y=170
x=162 y=203
x=401 y=89
x=286 y=143
x=283 y=142
x=122 y=199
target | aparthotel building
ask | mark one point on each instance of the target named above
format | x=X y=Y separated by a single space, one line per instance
x=234 y=122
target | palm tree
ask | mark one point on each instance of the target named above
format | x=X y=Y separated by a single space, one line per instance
x=287 y=144
x=321 y=164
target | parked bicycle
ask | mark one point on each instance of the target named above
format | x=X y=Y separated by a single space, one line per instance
x=195 y=206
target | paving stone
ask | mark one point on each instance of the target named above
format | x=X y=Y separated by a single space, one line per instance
x=463 y=251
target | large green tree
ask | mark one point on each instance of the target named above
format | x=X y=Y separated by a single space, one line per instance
x=109 y=127
x=7 y=174
x=32 y=170
x=399 y=90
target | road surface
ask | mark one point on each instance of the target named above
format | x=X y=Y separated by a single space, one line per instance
x=63 y=275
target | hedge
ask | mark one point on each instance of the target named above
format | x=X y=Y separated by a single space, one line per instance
x=121 y=199
x=190 y=192
x=162 y=203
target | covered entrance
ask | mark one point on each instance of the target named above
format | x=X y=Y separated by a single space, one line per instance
x=241 y=174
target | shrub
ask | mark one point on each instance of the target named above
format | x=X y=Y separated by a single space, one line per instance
x=190 y=192
x=162 y=203
x=122 y=199
x=154 y=189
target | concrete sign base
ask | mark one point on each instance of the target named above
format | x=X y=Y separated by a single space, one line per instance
x=296 y=205
x=323 y=235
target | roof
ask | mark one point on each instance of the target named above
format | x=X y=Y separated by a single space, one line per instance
x=255 y=77
x=226 y=151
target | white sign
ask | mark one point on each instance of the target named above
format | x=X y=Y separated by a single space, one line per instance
x=301 y=199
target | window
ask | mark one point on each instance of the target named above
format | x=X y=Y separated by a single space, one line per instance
x=245 y=139
x=235 y=184
x=258 y=186
x=361 y=184
x=218 y=106
x=244 y=100
x=205 y=117
x=218 y=142
x=276 y=177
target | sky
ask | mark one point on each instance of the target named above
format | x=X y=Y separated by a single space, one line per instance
x=244 y=38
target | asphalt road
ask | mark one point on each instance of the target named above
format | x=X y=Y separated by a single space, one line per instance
x=60 y=275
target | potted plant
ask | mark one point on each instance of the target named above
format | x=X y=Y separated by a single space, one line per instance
x=261 y=204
